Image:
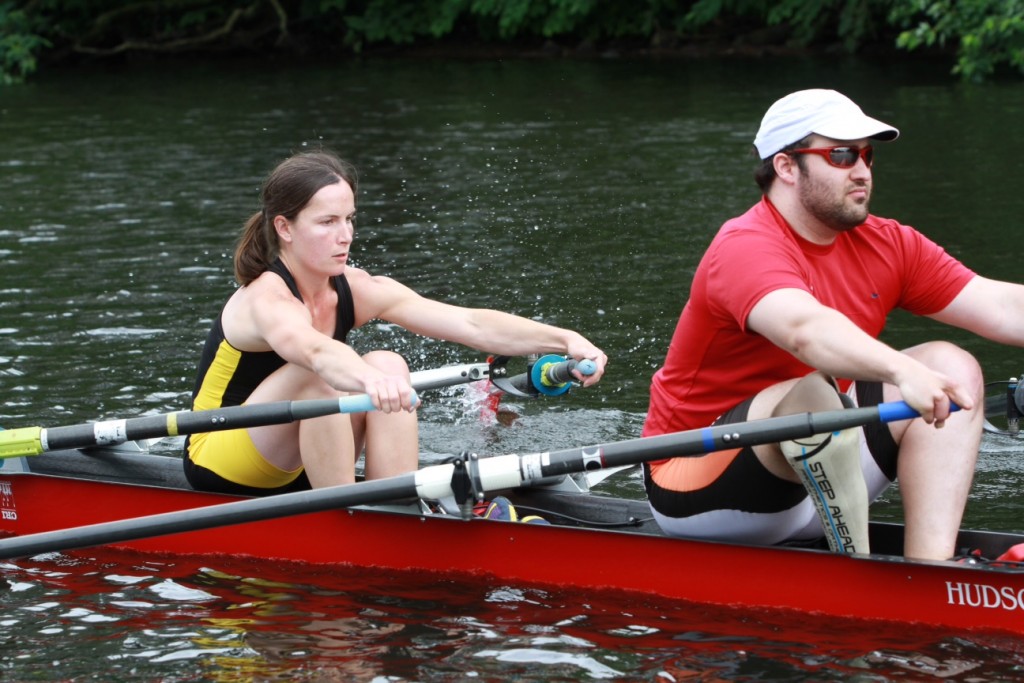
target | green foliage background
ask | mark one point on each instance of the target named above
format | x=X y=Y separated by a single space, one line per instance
x=981 y=38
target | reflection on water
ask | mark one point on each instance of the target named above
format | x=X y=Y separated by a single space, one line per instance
x=177 y=619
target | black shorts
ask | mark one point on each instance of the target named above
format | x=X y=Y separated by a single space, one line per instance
x=202 y=479
x=736 y=479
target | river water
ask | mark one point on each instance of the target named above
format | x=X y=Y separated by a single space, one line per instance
x=581 y=193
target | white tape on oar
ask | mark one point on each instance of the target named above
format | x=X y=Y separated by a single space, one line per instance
x=111 y=432
x=435 y=482
x=532 y=465
x=592 y=458
x=500 y=472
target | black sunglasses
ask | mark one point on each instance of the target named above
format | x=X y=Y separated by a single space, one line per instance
x=840 y=157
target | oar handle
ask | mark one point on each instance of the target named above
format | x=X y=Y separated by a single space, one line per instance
x=900 y=410
x=552 y=375
x=28 y=441
x=557 y=374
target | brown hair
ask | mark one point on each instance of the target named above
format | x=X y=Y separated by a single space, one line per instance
x=286 y=192
x=764 y=174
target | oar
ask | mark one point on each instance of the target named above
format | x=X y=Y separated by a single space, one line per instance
x=28 y=441
x=35 y=440
x=467 y=478
x=422 y=380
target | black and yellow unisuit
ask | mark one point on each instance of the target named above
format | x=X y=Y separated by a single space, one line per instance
x=228 y=461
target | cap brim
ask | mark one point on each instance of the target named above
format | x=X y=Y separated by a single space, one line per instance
x=865 y=127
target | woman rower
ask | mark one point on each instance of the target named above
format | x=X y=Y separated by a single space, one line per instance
x=281 y=336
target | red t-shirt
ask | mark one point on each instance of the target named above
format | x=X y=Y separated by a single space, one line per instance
x=714 y=362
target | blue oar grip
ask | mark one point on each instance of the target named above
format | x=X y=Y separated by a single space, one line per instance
x=361 y=403
x=899 y=410
x=586 y=367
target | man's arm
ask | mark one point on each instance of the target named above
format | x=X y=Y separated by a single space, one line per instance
x=827 y=340
x=990 y=308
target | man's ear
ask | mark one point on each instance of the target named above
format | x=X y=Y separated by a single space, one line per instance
x=785 y=167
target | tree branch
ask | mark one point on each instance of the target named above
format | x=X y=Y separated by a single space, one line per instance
x=181 y=43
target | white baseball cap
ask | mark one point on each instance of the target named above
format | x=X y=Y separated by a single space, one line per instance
x=825 y=112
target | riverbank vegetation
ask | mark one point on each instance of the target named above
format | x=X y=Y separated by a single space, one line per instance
x=981 y=39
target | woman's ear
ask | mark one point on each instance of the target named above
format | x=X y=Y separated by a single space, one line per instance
x=283 y=228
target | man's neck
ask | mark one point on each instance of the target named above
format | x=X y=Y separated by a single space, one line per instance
x=800 y=221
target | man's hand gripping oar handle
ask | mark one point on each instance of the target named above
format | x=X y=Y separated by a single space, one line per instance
x=35 y=440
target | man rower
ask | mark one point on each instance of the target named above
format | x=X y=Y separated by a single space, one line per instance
x=784 y=315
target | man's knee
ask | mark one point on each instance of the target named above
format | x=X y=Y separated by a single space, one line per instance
x=952 y=361
x=814 y=392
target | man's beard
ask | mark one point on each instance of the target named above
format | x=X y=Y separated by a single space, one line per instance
x=838 y=212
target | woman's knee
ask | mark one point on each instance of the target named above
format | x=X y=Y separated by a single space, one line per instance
x=387 y=361
x=291 y=382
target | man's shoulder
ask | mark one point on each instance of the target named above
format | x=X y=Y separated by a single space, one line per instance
x=758 y=222
x=762 y=215
x=882 y=223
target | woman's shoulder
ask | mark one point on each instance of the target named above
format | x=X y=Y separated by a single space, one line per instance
x=269 y=289
x=268 y=283
x=353 y=274
x=377 y=296
x=360 y=280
